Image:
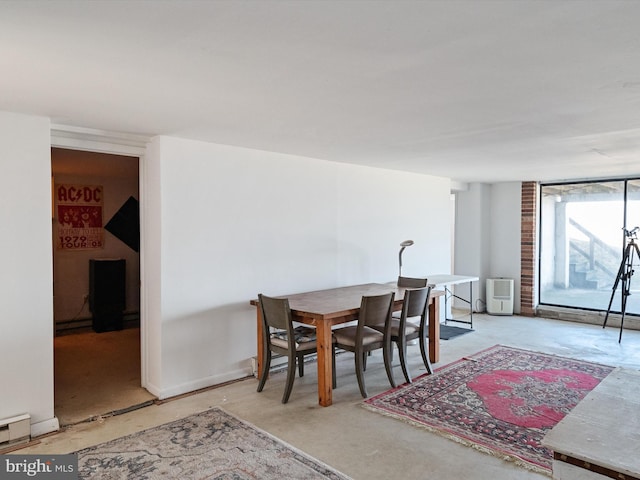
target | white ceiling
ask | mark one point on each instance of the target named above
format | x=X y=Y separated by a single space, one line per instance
x=479 y=91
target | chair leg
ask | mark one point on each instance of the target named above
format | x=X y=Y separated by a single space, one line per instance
x=301 y=365
x=360 y=358
x=386 y=354
x=291 y=375
x=424 y=352
x=402 y=353
x=364 y=360
x=266 y=364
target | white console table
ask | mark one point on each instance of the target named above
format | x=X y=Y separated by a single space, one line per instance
x=600 y=437
x=446 y=281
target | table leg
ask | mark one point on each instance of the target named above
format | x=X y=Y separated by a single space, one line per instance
x=434 y=329
x=259 y=348
x=325 y=373
x=471 y=304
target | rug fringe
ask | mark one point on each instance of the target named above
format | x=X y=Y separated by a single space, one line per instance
x=467 y=443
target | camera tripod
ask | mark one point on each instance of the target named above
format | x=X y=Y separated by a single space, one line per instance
x=625 y=272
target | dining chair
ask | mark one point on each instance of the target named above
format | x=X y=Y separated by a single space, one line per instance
x=362 y=338
x=412 y=325
x=411 y=282
x=279 y=336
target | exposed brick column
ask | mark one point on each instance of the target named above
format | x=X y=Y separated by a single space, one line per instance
x=528 y=247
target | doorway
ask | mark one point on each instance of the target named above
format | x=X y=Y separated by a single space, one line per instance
x=97 y=371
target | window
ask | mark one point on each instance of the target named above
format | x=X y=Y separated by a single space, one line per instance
x=584 y=231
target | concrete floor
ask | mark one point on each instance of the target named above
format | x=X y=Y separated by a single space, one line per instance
x=360 y=443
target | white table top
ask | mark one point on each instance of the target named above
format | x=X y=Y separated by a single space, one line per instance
x=604 y=428
x=441 y=280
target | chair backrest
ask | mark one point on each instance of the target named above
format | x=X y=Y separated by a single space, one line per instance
x=375 y=310
x=410 y=282
x=415 y=303
x=276 y=314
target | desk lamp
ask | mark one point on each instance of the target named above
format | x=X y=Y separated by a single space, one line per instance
x=405 y=244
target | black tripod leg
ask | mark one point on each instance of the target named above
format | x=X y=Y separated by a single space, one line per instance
x=625 y=293
x=627 y=284
x=613 y=293
x=620 y=275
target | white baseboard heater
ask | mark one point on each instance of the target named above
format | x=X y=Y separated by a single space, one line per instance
x=15 y=429
x=278 y=362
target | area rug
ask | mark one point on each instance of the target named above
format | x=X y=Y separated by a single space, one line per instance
x=501 y=401
x=209 y=445
x=447 y=332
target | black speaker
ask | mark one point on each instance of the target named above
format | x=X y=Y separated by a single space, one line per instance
x=107 y=295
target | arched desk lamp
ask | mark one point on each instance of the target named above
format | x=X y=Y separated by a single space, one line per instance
x=405 y=244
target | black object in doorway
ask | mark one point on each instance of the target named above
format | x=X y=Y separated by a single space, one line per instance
x=125 y=224
x=107 y=296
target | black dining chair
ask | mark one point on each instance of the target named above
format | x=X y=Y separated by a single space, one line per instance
x=279 y=336
x=412 y=282
x=413 y=321
x=412 y=325
x=372 y=332
x=409 y=282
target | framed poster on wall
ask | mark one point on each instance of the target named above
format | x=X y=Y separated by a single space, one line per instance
x=79 y=215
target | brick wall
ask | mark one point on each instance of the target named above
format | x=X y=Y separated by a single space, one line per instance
x=528 y=221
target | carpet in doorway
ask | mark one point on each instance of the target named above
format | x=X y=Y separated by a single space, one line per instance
x=211 y=444
x=501 y=401
x=447 y=332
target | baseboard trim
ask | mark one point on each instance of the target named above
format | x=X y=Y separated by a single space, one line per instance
x=591 y=317
x=202 y=383
x=44 y=427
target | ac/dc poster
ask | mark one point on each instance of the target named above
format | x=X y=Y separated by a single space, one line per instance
x=79 y=209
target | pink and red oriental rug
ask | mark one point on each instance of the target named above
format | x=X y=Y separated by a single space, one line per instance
x=501 y=401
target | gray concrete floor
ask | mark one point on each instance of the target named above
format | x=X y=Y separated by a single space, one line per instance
x=360 y=443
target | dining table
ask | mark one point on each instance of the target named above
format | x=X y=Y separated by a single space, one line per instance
x=324 y=309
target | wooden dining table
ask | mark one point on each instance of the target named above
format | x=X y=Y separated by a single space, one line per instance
x=325 y=308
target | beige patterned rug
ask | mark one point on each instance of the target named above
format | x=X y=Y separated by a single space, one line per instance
x=209 y=445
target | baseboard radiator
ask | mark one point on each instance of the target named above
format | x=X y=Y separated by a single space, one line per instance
x=15 y=430
x=278 y=362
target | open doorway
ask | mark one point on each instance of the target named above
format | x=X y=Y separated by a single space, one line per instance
x=97 y=367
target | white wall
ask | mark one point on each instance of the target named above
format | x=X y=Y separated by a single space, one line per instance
x=220 y=225
x=228 y=223
x=151 y=269
x=487 y=241
x=505 y=235
x=472 y=240
x=26 y=310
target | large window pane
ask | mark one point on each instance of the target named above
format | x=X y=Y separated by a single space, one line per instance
x=633 y=204
x=632 y=221
x=581 y=243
